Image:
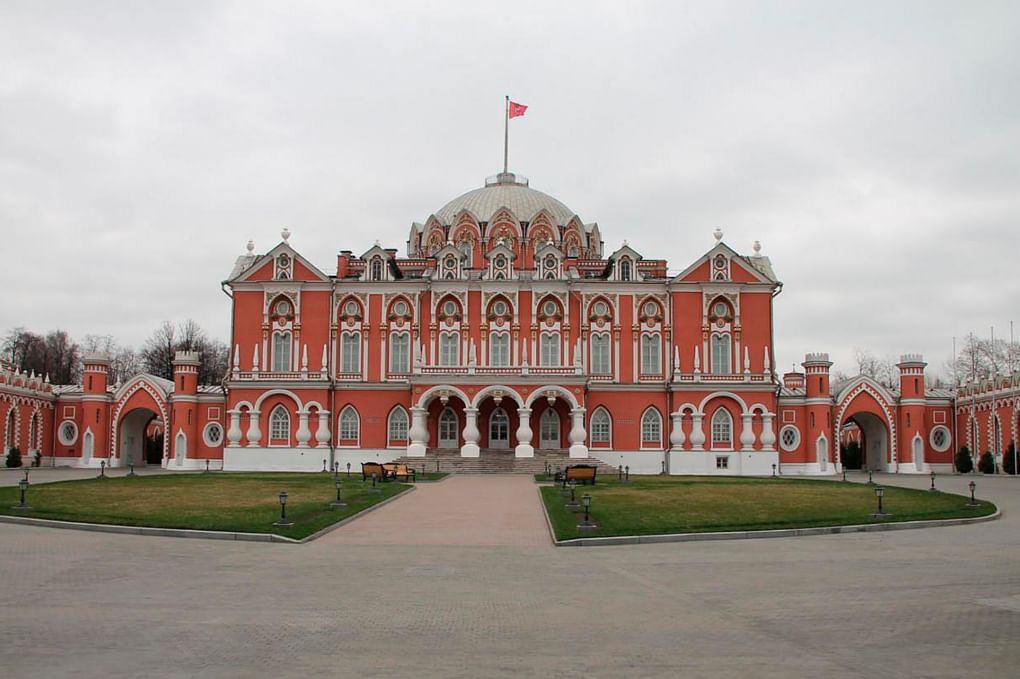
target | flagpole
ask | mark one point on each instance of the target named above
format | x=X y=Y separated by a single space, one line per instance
x=506 y=133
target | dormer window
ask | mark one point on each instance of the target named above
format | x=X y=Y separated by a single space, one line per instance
x=721 y=267
x=375 y=271
x=625 y=270
x=283 y=267
x=466 y=249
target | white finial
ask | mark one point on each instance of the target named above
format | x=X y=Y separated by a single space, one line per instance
x=718 y=234
x=47 y=378
x=624 y=242
x=757 y=248
x=251 y=247
x=285 y=234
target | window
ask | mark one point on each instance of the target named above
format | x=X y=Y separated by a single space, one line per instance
x=940 y=439
x=349 y=424
x=466 y=252
x=213 y=435
x=625 y=273
x=448 y=429
x=451 y=264
x=376 y=272
x=282 y=307
x=601 y=355
x=400 y=349
x=721 y=364
x=450 y=308
x=601 y=308
x=351 y=308
x=350 y=352
x=9 y=429
x=722 y=462
x=722 y=428
x=499 y=308
x=651 y=428
x=400 y=309
x=449 y=349
x=398 y=425
x=549 y=308
x=68 y=433
x=499 y=429
x=600 y=427
x=719 y=310
x=499 y=349
x=549 y=429
x=651 y=309
x=789 y=438
x=279 y=426
x=549 y=349
x=281 y=352
x=650 y=355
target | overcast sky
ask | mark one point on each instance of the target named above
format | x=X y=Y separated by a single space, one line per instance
x=871 y=147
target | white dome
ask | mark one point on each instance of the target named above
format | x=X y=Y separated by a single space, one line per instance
x=505 y=190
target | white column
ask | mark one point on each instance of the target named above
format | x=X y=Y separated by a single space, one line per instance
x=768 y=434
x=577 y=434
x=234 y=432
x=524 y=447
x=697 y=432
x=304 y=434
x=471 y=433
x=322 y=431
x=418 y=433
x=676 y=436
x=746 y=433
x=254 y=433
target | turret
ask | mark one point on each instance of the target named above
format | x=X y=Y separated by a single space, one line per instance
x=820 y=438
x=186 y=365
x=912 y=441
x=184 y=412
x=911 y=376
x=96 y=374
x=816 y=374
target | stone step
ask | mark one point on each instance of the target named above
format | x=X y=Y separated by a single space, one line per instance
x=499 y=462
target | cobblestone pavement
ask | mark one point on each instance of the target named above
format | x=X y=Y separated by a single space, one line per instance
x=940 y=602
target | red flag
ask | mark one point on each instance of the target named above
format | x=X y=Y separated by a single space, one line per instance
x=517 y=109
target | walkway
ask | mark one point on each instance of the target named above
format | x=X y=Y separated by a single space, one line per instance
x=485 y=510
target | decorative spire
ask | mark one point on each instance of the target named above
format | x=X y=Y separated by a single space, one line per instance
x=757 y=248
x=251 y=247
x=285 y=234
x=718 y=233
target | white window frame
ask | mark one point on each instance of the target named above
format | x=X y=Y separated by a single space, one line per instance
x=651 y=421
x=949 y=438
x=722 y=429
x=601 y=354
x=207 y=440
x=499 y=349
x=279 y=423
x=796 y=438
x=397 y=425
x=449 y=349
x=596 y=427
x=400 y=352
x=721 y=349
x=447 y=417
x=350 y=353
x=651 y=354
x=349 y=418
x=545 y=421
x=549 y=350
x=282 y=352
x=499 y=415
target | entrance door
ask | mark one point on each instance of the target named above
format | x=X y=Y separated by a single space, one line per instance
x=448 y=429
x=549 y=430
x=499 y=429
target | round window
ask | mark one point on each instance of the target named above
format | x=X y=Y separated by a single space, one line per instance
x=352 y=308
x=500 y=262
x=720 y=309
x=400 y=308
x=789 y=438
x=283 y=307
x=651 y=309
x=68 y=433
x=213 y=434
x=550 y=262
x=940 y=439
x=283 y=261
x=499 y=308
x=549 y=308
x=451 y=263
x=601 y=308
x=720 y=262
x=449 y=308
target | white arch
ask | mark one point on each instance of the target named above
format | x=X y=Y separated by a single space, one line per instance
x=857 y=386
x=641 y=428
x=688 y=408
x=433 y=392
x=313 y=404
x=132 y=385
x=488 y=391
x=591 y=419
x=719 y=394
x=243 y=404
x=340 y=423
x=275 y=392
x=153 y=387
x=758 y=408
x=540 y=392
x=389 y=420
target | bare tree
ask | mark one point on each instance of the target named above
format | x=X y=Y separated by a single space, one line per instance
x=124 y=361
x=980 y=359
x=158 y=353
x=55 y=355
x=882 y=370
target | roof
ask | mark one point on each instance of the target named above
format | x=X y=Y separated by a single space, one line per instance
x=505 y=191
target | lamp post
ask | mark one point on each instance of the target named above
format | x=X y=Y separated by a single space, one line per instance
x=374 y=489
x=21 y=506
x=348 y=470
x=207 y=466
x=879 y=493
x=26 y=476
x=323 y=465
x=572 y=505
x=283 y=522
x=338 y=502
x=933 y=489
x=870 y=482
x=586 y=524
x=102 y=469
x=626 y=474
x=773 y=470
x=973 y=502
x=619 y=475
x=844 y=473
x=131 y=469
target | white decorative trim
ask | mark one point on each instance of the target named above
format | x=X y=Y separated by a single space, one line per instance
x=60 y=433
x=949 y=438
x=782 y=440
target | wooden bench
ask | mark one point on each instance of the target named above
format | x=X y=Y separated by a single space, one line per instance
x=398 y=471
x=370 y=468
x=580 y=473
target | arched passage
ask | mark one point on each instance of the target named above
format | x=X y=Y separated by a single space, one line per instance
x=874 y=440
x=140 y=438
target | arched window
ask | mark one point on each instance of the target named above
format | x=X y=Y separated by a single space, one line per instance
x=549 y=349
x=721 y=364
x=397 y=426
x=449 y=349
x=400 y=352
x=448 y=426
x=499 y=429
x=601 y=427
x=549 y=429
x=975 y=439
x=651 y=429
x=350 y=352
x=722 y=429
x=625 y=270
x=996 y=443
x=601 y=355
x=281 y=352
x=9 y=429
x=350 y=425
x=651 y=360
x=466 y=252
x=499 y=349
x=376 y=271
x=279 y=426
x=30 y=443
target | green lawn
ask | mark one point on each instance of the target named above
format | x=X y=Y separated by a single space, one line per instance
x=247 y=503
x=652 y=505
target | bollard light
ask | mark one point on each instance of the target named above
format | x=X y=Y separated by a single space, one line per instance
x=437 y=465
x=879 y=493
x=423 y=470
x=374 y=488
x=663 y=466
x=207 y=466
x=283 y=522
x=21 y=506
x=102 y=469
x=933 y=489
x=131 y=469
x=844 y=473
x=348 y=470
x=973 y=502
x=773 y=470
x=586 y=524
x=323 y=465
x=338 y=502
x=619 y=474
x=626 y=474
x=870 y=482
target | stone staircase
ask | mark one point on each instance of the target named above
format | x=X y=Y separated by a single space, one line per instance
x=498 y=462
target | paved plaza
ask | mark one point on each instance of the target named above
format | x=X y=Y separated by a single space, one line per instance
x=475 y=589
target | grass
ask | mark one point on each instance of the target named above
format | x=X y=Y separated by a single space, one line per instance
x=247 y=503
x=653 y=505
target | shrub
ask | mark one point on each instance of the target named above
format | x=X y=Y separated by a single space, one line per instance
x=14 y=457
x=1007 y=460
x=986 y=463
x=964 y=464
